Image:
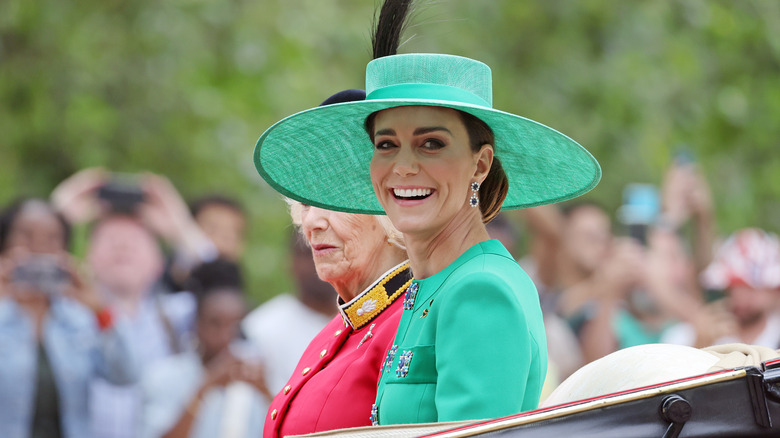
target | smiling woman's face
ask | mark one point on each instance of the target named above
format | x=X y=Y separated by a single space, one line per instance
x=422 y=166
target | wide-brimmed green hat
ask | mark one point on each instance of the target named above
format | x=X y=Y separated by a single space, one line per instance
x=321 y=156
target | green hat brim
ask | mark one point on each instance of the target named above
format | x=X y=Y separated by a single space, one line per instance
x=321 y=157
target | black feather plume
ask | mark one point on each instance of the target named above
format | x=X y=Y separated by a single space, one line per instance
x=389 y=27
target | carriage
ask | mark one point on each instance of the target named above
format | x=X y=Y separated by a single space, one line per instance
x=740 y=402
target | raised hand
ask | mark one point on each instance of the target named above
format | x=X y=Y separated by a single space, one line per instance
x=76 y=197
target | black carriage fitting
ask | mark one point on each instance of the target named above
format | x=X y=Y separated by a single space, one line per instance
x=677 y=411
x=755 y=381
x=772 y=381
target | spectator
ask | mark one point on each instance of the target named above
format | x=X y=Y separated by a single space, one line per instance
x=747 y=267
x=659 y=294
x=617 y=292
x=665 y=288
x=223 y=222
x=283 y=327
x=223 y=219
x=127 y=262
x=686 y=197
x=93 y=193
x=668 y=289
x=56 y=333
x=214 y=391
x=580 y=269
x=568 y=247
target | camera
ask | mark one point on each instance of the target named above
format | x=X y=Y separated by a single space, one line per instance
x=43 y=274
x=122 y=193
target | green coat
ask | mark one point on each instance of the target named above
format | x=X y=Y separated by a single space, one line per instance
x=471 y=347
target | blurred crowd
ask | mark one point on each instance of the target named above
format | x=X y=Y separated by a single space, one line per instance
x=659 y=273
x=148 y=333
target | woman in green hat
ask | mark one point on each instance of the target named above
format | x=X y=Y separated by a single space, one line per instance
x=427 y=149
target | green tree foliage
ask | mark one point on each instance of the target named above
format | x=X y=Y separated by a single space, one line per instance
x=185 y=87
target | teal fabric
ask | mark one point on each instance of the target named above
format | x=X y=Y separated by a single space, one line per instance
x=477 y=343
x=426 y=91
x=630 y=331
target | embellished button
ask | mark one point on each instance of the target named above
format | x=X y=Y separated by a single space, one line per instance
x=323 y=353
x=403 y=364
x=389 y=359
x=374 y=415
x=273 y=414
x=287 y=389
x=305 y=371
x=411 y=294
x=338 y=332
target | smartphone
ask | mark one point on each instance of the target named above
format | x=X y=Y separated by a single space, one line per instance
x=43 y=274
x=122 y=193
x=640 y=209
x=638 y=232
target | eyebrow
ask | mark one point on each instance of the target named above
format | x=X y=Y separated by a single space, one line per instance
x=426 y=130
x=418 y=131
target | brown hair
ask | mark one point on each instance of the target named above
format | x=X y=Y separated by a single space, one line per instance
x=494 y=188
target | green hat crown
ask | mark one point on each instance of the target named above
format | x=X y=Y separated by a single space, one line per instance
x=446 y=78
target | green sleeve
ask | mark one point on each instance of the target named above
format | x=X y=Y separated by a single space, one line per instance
x=483 y=350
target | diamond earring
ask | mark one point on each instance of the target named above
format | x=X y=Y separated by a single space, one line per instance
x=474 y=200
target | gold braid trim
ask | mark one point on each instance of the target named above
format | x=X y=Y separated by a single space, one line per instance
x=373 y=301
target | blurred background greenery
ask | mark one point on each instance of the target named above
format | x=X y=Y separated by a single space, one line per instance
x=185 y=87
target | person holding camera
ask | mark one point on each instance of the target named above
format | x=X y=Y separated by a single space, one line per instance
x=128 y=216
x=93 y=194
x=55 y=333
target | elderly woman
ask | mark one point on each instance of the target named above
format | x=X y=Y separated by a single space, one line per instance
x=55 y=334
x=441 y=162
x=335 y=382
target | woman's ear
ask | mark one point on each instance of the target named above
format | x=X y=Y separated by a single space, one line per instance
x=484 y=160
